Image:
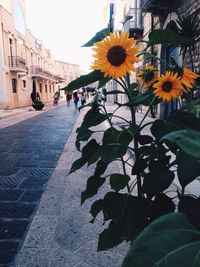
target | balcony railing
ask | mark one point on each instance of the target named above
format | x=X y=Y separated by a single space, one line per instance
x=156 y=5
x=42 y=73
x=17 y=64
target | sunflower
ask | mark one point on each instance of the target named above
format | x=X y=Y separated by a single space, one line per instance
x=188 y=79
x=148 y=75
x=115 y=55
x=168 y=86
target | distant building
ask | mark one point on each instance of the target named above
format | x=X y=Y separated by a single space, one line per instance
x=25 y=63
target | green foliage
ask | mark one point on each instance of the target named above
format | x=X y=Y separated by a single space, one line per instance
x=84 y=80
x=187 y=140
x=142 y=191
x=168 y=37
x=169 y=241
x=99 y=36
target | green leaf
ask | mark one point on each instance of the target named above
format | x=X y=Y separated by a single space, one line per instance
x=96 y=207
x=126 y=136
x=103 y=82
x=109 y=238
x=189 y=205
x=166 y=36
x=93 y=184
x=88 y=150
x=83 y=135
x=110 y=135
x=127 y=18
x=77 y=164
x=184 y=120
x=153 y=151
x=129 y=216
x=187 y=140
x=145 y=99
x=100 y=168
x=99 y=36
x=84 y=80
x=190 y=252
x=114 y=92
x=112 y=151
x=191 y=104
x=133 y=86
x=157 y=180
x=118 y=181
x=145 y=139
x=95 y=155
x=160 y=128
x=188 y=168
x=92 y=118
x=161 y=205
x=169 y=241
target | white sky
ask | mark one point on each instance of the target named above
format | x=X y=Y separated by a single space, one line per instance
x=64 y=26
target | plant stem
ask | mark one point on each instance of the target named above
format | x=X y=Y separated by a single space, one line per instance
x=124 y=170
x=147 y=111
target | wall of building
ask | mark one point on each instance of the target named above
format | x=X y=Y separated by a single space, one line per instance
x=25 y=62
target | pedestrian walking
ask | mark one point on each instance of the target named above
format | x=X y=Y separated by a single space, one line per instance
x=55 y=98
x=83 y=99
x=75 y=98
x=68 y=98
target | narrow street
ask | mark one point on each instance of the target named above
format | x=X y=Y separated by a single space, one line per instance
x=29 y=151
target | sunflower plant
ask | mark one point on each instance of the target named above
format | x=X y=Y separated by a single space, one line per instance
x=147 y=204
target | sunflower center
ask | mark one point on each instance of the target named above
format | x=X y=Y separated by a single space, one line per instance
x=148 y=76
x=116 y=55
x=167 y=86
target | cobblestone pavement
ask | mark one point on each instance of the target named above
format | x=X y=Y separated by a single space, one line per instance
x=29 y=151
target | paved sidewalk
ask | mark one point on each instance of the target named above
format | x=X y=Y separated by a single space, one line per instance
x=12 y=116
x=60 y=234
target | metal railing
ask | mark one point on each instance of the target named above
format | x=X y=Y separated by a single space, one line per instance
x=38 y=71
x=17 y=62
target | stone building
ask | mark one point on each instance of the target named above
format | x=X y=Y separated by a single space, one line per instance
x=148 y=15
x=25 y=63
x=164 y=14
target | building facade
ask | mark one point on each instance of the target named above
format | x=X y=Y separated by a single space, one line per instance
x=164 y=14
x=147 y=15
x=25 y=63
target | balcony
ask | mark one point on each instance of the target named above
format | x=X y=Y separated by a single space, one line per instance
x=18 y=65
x=38 y=72
x=134 y=25
x=157 y=7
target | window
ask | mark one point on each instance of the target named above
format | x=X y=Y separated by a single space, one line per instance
x=40 y=88
x=14 y=86
x=24 y=83
x=46 y=88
